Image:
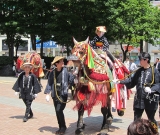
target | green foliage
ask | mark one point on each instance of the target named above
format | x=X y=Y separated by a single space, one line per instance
x=133 y=20
x=5 y=60
x=129 y=21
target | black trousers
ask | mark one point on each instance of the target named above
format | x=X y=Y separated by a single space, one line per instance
x=150 y=114
x=59 y=107
x=28 y=103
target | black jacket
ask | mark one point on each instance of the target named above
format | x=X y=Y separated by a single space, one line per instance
x=158 y=66
x=67 y=79
x=33 y=83
x=139 y=79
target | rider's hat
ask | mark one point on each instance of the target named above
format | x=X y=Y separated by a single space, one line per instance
x=101 y=28
x=26 y=64
x=57 y=58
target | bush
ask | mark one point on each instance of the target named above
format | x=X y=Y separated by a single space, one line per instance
x=5 y=60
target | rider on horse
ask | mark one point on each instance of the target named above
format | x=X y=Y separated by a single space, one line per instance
x=94 y=86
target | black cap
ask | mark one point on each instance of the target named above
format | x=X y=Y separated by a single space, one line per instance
x=144 y=55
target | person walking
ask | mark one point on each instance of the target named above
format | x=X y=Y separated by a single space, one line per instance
x=157 y=61
x=59 y=80
x=27 y=87
x=132 y=66
x=126 y=63
x=147 y=82
x=157 y=66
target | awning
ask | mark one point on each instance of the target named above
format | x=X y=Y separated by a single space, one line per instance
x=155 y=51
x=132 y=49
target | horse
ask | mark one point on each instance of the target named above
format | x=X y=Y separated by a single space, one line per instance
x=34 y=58
x=94 y=75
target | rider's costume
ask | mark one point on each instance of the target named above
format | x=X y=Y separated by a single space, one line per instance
x=100 y=43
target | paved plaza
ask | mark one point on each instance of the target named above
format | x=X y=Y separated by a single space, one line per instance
x=44 y=121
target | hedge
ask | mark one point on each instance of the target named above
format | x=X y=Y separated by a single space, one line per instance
x=5 y=60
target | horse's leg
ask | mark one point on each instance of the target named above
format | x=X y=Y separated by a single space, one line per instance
x=109 y=115
x=105 y=124
x=80 y=124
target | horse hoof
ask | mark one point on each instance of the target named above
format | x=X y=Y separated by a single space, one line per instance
x=104 y=130
x=102 y=134
x=79 y=131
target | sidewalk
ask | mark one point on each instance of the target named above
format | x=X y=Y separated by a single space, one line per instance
x=44 y=122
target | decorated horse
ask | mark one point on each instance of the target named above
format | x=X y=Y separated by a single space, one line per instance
x=95 y=72
x=33 y=58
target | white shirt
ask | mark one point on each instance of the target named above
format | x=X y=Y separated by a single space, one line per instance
x=132 y=67
x=157 y=65
x=126 y=63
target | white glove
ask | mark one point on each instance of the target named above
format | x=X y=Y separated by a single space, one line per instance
x=147 y=89
x=16 y=93
x=116 y=81
x=35 y=95
x=76 y=71
x=75 y=81
x=47 y=98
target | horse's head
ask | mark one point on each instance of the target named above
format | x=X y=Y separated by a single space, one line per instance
x=80 y=48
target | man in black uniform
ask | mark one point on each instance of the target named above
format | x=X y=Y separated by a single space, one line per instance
x=58 y=83
x=147 y=82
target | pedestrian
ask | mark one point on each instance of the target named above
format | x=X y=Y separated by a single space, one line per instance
x=142 y=127
x=132 y=66
x=44 y=65
x=59 y=80
x=155 y=63
x=146 y=79
x=126 y=63
x=14 y=68
x=27 y=87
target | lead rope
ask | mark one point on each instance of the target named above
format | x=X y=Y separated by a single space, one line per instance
x=101 y=82
x=56 y=91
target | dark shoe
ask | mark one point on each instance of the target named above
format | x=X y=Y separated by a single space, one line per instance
x=62 y=130
x=57 y=132
x=25 y=119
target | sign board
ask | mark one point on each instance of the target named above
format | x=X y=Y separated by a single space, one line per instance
x=48 y=44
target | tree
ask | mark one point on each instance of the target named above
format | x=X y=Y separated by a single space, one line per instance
x=130 y=22
x=75 y=18
x=19 y=42
x=34 y=19
x=8 y=22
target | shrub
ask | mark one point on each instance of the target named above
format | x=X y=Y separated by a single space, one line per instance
x=5 y=60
